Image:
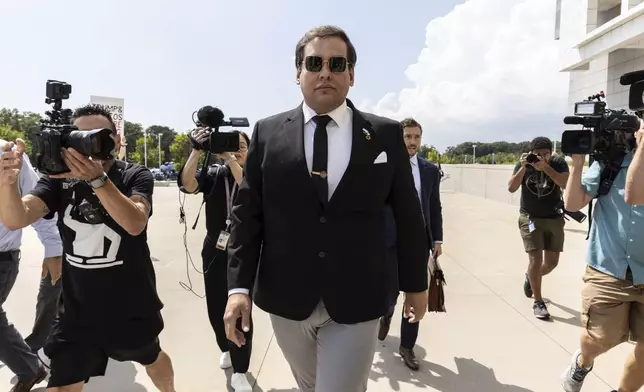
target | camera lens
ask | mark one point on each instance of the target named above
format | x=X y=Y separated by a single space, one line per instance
x=97 y=143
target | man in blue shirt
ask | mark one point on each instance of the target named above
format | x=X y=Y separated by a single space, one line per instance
x=613 y=292
x=20 y=355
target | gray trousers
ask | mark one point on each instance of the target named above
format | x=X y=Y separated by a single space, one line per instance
x=325 y=356
x=20 y=356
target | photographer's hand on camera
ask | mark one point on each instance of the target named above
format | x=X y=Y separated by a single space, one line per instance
x=80 y=166
x=11 y=162
x=523 y=159
x=198 y=137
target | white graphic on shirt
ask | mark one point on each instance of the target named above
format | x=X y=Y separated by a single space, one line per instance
x=89 y=244
x=540 y=184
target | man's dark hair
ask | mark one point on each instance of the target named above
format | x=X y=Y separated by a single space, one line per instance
x=541 y=143
x=410 y=122
x=95 y=110
x=325 y=32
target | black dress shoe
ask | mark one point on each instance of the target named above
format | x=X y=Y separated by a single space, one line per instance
x=27 y=385
x=409 y=358
x=385 y=323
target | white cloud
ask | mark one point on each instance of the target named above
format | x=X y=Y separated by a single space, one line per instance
x=489 y=71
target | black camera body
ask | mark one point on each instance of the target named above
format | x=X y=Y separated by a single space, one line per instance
x=532 y=158
x=58 y=131
x=607 y=133
x=212 y=118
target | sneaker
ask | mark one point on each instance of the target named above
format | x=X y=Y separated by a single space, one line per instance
x=540 y=310
x=27 y=385
x=573 y=378
x=527 y=289
x=240 y=383
x=224 y=360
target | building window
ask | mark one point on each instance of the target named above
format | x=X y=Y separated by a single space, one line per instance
x=558 y=20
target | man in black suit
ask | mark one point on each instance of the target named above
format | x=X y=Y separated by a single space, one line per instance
x=307 y=233
x=427 y=181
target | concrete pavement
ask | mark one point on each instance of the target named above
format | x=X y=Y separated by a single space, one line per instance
x=487 y=342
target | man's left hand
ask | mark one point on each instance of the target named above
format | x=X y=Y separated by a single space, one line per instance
x=80 y=166
x=438 y=250
x=415 y=306
x=540 y=165
x=52 y=266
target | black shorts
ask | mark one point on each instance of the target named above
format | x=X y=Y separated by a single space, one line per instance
x=79 y=353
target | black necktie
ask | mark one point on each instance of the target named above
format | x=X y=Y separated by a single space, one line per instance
x=320 y=157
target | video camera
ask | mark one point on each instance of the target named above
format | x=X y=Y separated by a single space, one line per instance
x=212 y=118
x=608 y=133
x=58 y=131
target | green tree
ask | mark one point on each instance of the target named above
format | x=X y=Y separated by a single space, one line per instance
x=138 y=155
x=167 y=137
x=180 y=150
x=133 y=131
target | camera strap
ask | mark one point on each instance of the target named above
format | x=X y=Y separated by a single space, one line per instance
x=202 y=177
x=229 y=200
x=606 y=179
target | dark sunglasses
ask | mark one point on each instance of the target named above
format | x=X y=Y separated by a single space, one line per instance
x=336 y=64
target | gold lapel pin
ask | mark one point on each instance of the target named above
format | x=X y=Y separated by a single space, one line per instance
x=367 y=135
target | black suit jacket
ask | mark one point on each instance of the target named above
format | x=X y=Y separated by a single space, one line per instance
x=294 y=251
x=430 y=180
x=432 y=215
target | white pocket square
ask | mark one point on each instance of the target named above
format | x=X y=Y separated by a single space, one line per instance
x=382 y=158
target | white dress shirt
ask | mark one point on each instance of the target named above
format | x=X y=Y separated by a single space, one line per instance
x=340 y=141
x=415 y=171
x=45 y=228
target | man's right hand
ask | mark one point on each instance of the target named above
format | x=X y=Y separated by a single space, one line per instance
x=11 y=162
x=238 y=306
x=523 y=159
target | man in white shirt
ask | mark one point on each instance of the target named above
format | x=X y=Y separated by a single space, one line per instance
x=19 y=356
x=427 y=182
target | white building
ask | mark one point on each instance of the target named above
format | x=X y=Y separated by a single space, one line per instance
x=600 y=40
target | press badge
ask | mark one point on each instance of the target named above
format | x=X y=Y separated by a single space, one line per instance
x=531 y=226
x=222 y=241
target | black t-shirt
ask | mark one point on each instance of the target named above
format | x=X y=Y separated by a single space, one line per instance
x=108 y=276
x=213 y=188
x=539 y=194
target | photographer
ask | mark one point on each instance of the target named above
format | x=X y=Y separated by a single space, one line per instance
x=541 y=177
x=219 y=187
x=634 y=194
x=109 y=306
x=612 y=296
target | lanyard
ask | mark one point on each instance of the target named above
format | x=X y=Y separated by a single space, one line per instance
x=229 y=201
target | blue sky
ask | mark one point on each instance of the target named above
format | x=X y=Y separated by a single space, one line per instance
x=168 y=58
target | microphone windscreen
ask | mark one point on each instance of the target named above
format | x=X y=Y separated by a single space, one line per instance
x=632 y=77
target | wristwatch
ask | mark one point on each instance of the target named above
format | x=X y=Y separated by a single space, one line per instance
x=98 y=182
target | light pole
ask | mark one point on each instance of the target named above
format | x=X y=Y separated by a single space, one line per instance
x=145 y=148
x=493 y=158
x=159 y=149
x=473 y=153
